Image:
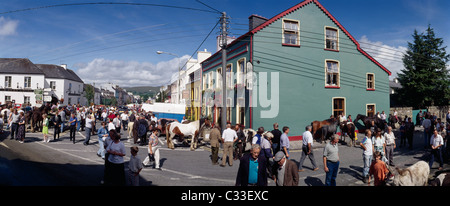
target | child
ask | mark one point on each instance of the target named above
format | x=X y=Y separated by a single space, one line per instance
x=45 y=128
x=153 y=150
x=134 y=166
x=379 y=171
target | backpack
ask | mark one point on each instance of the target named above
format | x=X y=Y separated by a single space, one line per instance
x=142 y=130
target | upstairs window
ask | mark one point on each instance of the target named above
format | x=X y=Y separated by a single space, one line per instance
x=331 y=39
x=27 y=82
x=370 y=81
x=8 y=80
x=332 y=74
x=291 y=32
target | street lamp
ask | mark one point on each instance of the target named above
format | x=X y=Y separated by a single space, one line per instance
x=179 y=71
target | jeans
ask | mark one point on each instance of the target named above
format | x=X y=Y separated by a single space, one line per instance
x=330 y=178
x=275 y=148
x=426 y=141
x=88 y=135
x=101 y=150
x=78 y=126
x=367 y=161
x=436 y=153
x=14 y=129
x=62 y=127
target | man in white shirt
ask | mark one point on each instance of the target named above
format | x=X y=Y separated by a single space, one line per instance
x=88 y=128
x=307 y=149
x=426 y=123
x=436 y=143
x=366 y=144
x=229 y=136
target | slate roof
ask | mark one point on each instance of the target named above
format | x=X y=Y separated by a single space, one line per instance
x=58 y=72
x=18 y=66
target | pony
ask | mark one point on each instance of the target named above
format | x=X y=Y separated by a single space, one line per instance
x=192 y=130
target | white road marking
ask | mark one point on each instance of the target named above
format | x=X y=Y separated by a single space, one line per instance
x=150 y=172
x=4 y=145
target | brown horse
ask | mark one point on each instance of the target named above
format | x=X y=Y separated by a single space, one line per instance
x=326 y=127
x=349 y=128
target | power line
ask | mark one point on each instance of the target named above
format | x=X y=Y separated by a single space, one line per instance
x=106 y=3
x=209 y=6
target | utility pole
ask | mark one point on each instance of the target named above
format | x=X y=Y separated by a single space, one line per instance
x=224 y=34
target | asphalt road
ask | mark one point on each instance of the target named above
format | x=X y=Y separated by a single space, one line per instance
x=63 y=163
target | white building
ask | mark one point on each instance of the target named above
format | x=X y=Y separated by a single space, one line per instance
x=65 y=85
x=20 y=78
x=185 y=77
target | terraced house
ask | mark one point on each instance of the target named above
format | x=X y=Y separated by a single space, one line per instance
x=305 y=66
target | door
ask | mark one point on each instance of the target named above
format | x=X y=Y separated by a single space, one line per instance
x=338 y=106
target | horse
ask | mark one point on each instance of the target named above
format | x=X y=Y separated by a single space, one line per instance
x=415 y=175
x=192 y=130
x=392 y=121
x=327 y=128
x=349 y=128
x=368 y=121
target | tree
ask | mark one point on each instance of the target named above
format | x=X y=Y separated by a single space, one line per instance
x=426 y=78
x=89 y=93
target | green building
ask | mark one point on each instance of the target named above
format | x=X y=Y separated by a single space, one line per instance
x=299 y=66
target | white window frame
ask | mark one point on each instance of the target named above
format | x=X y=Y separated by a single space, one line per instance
x=286 y=30
x=8 y=81
x=338 y=78
x=53 y=85
x=240 y=72
x=326 y=37
x=373 y=81
x=27 y=82
x=345 y=105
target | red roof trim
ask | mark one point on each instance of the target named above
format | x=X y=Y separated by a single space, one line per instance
x=300 y=5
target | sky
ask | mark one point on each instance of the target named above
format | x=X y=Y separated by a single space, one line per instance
x=118 y=43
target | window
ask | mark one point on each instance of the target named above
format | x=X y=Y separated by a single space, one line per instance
x=7 y=98
x=219 y=78
x=240 y=113
x=370 y=81
x=26 y=100
x=332 y=74
x=241 y=71
x=229 y=73
x=8 y=80
x=291 y=32
x=205 y=82
x=27 y=82
x=210 y=85
x=338 y=106
x=331 y=39
x=370 y=110
x=53 y=85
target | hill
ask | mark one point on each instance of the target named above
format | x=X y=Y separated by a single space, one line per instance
x=142 y=90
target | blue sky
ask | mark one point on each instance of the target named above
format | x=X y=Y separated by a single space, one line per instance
x=101 y=42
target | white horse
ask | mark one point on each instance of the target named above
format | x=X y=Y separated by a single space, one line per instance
x=191 y=129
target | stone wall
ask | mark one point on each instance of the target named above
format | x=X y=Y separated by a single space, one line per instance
x=439 y=111
x=401 y=111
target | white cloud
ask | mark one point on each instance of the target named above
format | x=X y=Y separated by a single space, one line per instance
x=131 y=73
x=8 y=26
x=389 y=56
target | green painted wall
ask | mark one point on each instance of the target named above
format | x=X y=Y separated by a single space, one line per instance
x=303 y=96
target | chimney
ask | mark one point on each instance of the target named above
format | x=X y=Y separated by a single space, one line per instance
x=255 y=20
x=64 y=66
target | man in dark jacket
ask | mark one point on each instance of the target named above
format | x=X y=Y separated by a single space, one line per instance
x=285 y=171
x=252 y=169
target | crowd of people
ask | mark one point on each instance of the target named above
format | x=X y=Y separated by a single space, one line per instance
x=269 y=157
